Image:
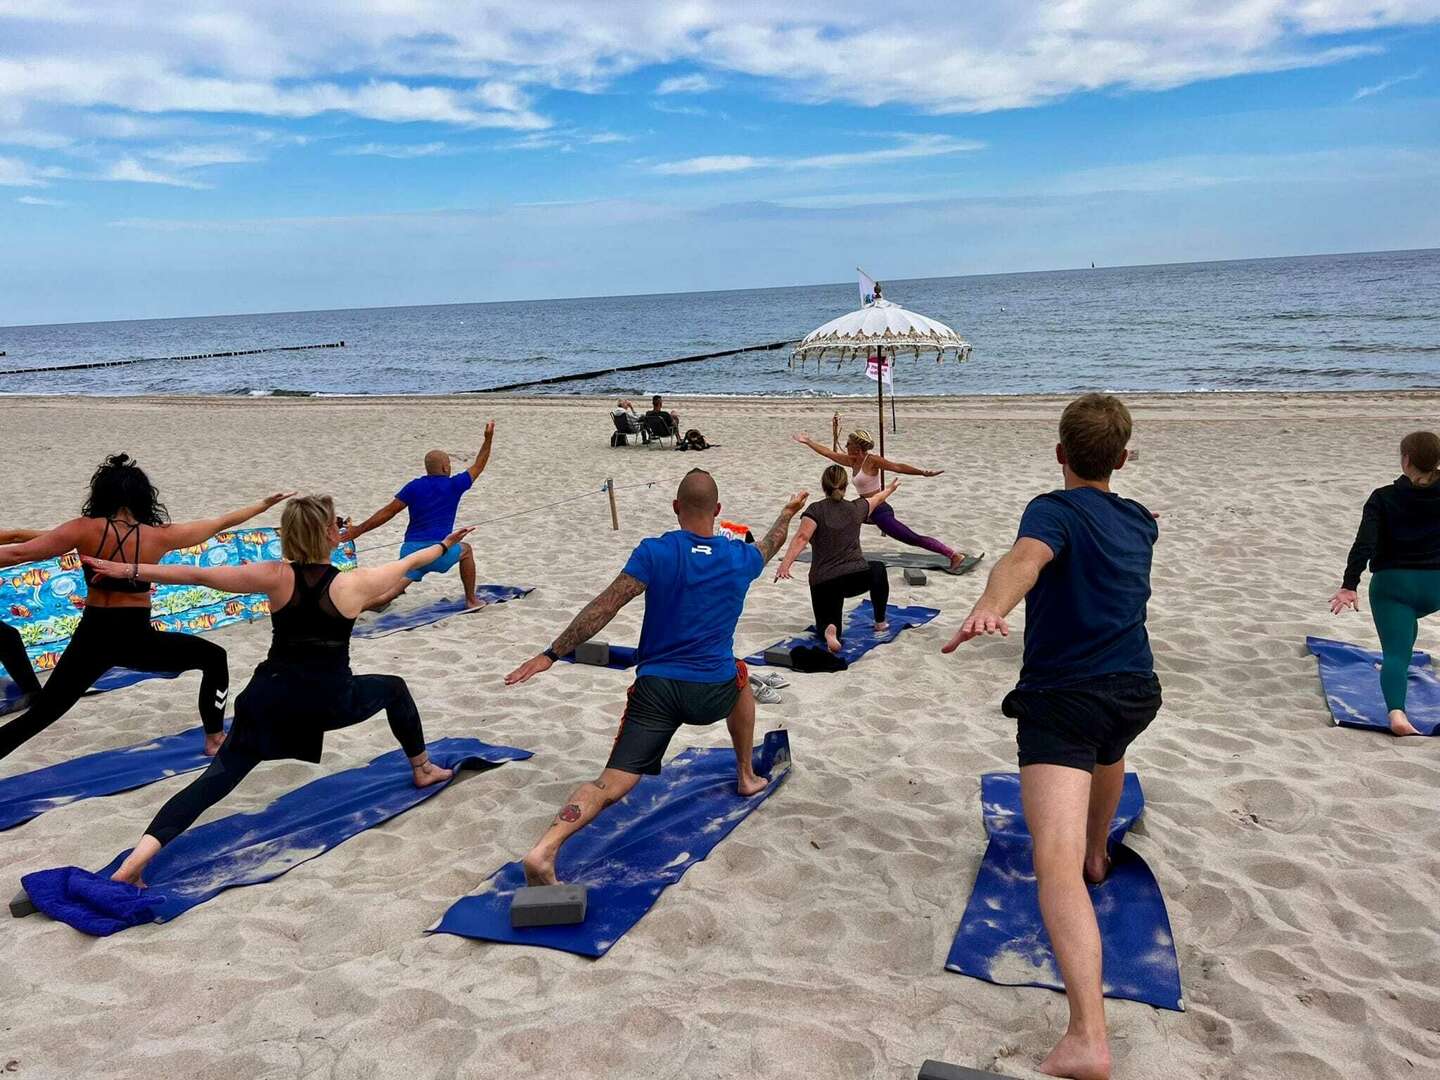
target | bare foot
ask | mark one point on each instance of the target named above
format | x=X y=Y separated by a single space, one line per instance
x=1400 y=723
x=213 y=743
x=539 y=869
x=881 y=627
x=956 y=559
x=1079 y=1059
x=473 y=602
x=751 y=785
x=130 y=877
x=430 y=773
x=1097 y=869
x=832 y=639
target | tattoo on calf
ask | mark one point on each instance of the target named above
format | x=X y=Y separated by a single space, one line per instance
x=571 y=812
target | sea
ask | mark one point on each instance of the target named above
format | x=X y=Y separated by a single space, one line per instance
x=1323 y=322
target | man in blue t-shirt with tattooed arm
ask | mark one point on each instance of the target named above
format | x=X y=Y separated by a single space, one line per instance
x=695 y=582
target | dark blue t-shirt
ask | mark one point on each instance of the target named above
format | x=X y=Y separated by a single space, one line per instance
x=433 y=501
x=694 y=592
x=1086 y=614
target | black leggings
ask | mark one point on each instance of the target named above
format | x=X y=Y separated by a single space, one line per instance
x=828 y=598
x=122 y=637
x=367 y=695
x=16 y=661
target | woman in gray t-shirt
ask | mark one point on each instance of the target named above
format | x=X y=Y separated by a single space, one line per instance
x=839 y=569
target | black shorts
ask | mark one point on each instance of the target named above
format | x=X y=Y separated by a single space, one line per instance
x=1081 y=726
x=657 y=707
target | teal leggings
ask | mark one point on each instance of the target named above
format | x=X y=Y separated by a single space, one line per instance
x=1399 y=599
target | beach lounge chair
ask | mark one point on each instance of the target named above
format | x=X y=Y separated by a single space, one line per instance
x=626 y=425
x=657 y=427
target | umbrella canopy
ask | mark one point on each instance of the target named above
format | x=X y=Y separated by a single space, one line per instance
x=881 y=326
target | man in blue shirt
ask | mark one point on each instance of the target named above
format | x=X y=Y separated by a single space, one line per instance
x=432 y=500
x=1081 y=563
x=694 y=581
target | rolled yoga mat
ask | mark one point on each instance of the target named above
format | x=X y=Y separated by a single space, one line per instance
x=247 y=849
x=1002 y=938
x=632 y=852
x=1350 y=677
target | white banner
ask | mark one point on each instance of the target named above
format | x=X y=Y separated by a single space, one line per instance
x=868 y=289
x=881 y=368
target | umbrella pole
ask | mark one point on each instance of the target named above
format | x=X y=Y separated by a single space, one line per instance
x=880 y=402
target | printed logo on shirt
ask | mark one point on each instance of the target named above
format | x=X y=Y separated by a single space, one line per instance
x=704 y=549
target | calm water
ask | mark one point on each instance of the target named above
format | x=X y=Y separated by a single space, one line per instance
x=1317 y=323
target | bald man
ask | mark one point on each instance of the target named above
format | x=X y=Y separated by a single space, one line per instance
x=694 y=581
x=432 y=500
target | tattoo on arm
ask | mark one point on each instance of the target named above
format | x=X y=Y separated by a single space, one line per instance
x=598 y=613
x=774 y=540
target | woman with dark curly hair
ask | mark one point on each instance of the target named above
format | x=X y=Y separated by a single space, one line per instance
x=124 y=520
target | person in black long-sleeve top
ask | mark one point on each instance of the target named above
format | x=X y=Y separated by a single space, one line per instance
x=1399 y=538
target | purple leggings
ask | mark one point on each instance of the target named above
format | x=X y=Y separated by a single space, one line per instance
x=884 y=519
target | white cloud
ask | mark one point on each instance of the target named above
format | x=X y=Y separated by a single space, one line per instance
x=17 y=173
x=1381 y=87
x=198 y=156
x=910 y=146
x=131 y=171
x=403 y=151
x=686 y=84
x=600 y=138
x=35 y=200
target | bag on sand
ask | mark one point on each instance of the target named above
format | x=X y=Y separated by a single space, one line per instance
x=693 y=440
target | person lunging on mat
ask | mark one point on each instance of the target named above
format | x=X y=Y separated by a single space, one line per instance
x=432 y=500
x=1399 y=539
x=838 y=568
x=124 y=520
x=1087 y=688
x=304 y=688
x=866 y=467
x=694 y=581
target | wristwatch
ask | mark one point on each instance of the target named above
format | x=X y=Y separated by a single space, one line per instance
x=552 y=654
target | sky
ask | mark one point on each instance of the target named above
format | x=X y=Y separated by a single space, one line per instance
x=163 y=158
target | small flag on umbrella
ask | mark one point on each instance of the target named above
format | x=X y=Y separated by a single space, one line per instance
x=869 y=288
x=883 y=368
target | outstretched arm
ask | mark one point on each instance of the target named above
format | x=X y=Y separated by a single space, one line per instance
x=833 y=455
x=483 y=457
x=802 y=537
x=263 y=577
x=886 y=465
x=18 y=536
x=354 y=591
x=593 y=618
x=1013 y=576
x=189 y=533
x=374 y=521
x=881 y=495
x=774 y=540
x=44 y=545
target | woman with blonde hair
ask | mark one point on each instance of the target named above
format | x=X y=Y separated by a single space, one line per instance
x=1399 y=538
x=304 y=688
x=838 y=568
x=866 y=467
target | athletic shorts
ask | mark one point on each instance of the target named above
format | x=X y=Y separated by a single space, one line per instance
x=656 y=708
x=439 y=566
x=1090 y=723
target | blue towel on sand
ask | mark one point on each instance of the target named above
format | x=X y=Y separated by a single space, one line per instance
x=622 y=657
x=106 y=772
x=630 y=854
x=1350 y=676
x=860 y=636
x=246 y=849
x=114 y=679
x=1003 y=940
x=392 y=622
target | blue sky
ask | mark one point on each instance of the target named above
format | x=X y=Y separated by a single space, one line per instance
x=179 y=158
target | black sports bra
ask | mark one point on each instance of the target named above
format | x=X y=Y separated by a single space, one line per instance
x=117 y=554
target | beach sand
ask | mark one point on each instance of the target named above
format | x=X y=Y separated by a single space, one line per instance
x=1300 y=861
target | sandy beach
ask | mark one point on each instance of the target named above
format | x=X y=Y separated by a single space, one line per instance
x=1299 y=860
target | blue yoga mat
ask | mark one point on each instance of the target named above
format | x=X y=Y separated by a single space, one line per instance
x=247 y=849
x=392 y=622
x=622 y=658
x=1003 y=940
x=860 y=636
x=1351 y=678
x=115 y=679
x=107 y=772
x=631 y=853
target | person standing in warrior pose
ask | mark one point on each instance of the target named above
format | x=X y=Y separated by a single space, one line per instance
x=694 y=582
x=304 y=688
x=866 y=467
x=124 y=521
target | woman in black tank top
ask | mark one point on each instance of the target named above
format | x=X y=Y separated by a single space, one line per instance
x=304 y=687
x=124 y=521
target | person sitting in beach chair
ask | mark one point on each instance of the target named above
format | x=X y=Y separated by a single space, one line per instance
x=694 y=580
x=659 y=424
x=432 y=500
x=627 y=423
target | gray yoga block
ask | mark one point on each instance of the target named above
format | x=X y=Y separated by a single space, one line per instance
x=593 y=652
x=778 y=657
x=943 y=1070
x=21 y=905
x=548 y=905
x=915 y=576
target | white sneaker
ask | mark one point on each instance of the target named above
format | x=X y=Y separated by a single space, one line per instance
x=772 y=679
x=764 y=695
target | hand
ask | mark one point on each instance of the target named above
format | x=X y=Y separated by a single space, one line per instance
x=932 y=472
x=528 y=670
x=458 y=535
x=979 y=622
x=893 y=486
x=278 y=497
x=107 y=568
x=1344 y=598
x=796 y=503
x=801 y=438
x=490 y=430
x=782 y=572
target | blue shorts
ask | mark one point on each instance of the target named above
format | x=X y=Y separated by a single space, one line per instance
x=439 y=566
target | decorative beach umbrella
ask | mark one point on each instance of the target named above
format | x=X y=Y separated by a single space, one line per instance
x=879 y=332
